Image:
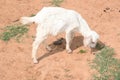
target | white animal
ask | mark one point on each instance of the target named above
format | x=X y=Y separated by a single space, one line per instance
x=54 y=20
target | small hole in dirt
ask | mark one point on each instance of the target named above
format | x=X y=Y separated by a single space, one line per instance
x=107 y=8
x=104 y=10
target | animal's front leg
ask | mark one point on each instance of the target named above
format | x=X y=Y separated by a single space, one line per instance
x=69 y=37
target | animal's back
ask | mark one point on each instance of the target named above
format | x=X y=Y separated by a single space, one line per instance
x=46 y=12
x=56 y=19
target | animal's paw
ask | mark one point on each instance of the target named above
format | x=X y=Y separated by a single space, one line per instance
x=35 y=61
x=49 y=48
x=69 y=51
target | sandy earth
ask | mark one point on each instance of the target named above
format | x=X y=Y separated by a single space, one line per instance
x=103 y=16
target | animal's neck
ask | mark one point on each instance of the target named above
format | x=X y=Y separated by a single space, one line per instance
x=84 y=28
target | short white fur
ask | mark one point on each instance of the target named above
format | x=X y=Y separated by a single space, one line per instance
x=54 y=20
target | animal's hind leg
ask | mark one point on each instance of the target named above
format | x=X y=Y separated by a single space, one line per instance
x=40 y=37
x=47 y=46
x=36 y=44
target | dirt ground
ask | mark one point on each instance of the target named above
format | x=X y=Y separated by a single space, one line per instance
x=103 y=16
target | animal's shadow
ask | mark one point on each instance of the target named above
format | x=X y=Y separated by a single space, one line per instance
x=76 y=42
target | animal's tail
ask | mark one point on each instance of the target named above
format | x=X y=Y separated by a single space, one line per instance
x=27 y=20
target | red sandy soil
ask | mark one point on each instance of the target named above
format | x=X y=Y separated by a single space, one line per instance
x=103 y=16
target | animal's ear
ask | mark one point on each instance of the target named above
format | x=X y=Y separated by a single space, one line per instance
x=95 y=36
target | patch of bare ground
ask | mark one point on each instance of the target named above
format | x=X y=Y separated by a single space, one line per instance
x=103 y=16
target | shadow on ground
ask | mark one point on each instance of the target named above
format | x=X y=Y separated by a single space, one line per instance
x=77 y=42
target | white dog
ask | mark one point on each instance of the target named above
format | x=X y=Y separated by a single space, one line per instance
x=54 y=20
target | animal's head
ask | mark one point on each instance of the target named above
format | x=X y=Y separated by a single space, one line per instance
x=91 y=40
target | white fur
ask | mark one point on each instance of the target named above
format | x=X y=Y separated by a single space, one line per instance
x=54 y=20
